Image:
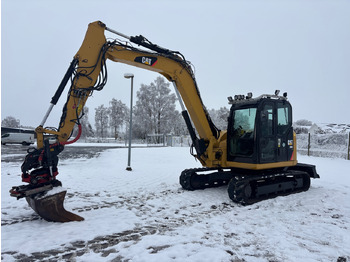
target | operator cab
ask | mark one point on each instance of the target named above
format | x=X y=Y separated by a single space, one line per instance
x=260 y=129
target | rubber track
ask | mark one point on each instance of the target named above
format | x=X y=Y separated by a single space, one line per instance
x=240 y=182
x=191 y=180
x=240 y=185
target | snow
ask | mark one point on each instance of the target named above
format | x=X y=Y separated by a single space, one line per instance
x=334 y=128
x=145 y=215
x=54 y=191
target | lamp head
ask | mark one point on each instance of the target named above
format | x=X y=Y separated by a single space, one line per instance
x=128 y=75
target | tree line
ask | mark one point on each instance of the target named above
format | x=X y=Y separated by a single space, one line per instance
x=153 y=113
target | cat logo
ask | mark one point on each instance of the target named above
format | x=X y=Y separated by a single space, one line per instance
x=146 y=60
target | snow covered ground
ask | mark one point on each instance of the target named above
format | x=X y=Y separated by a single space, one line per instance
x=144 y=215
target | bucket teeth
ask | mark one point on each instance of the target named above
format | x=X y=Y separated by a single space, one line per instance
x=51 y=208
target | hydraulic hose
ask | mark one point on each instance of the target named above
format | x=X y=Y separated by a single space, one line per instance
x=75 y=139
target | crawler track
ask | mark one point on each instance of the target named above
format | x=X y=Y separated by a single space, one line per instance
x=248 y=186
x=248 y=190
x=201 y=178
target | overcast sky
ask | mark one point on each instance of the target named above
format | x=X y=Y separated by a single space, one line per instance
x=299 y=47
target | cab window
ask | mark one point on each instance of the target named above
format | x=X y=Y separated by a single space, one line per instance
x=284 y=120
x=242 y=134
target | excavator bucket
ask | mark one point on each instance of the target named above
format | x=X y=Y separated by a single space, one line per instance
x=51 y=208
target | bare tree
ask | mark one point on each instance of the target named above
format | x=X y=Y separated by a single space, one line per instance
x=179 y=126
x=118 y=113
x=101 y=120
x=220 y=117
x=10 y=121
x=155 y=109
x=303 y=122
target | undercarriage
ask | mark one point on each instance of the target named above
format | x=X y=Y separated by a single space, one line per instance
x=250 y=186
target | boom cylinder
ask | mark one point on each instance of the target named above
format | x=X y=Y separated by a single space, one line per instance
x=64 y=81
x=60 y=89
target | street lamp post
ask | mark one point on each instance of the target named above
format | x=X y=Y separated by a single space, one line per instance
x=129 y=75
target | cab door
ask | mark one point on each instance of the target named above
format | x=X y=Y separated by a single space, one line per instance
x=276 y=131
x=267 y=139
x=284 y=131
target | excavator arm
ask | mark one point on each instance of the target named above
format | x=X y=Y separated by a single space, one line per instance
x=87 y=73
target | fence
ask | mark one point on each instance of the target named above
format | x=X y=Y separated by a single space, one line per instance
x=168 y=140
x=324 y=145
x=110 y=140
x=179 y=141
x=151 y=141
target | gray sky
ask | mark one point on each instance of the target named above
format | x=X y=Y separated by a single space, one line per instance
x=301 y=47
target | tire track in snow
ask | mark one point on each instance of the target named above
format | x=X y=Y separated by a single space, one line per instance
x=100 y=244
x=159 y=217
x=156 y=220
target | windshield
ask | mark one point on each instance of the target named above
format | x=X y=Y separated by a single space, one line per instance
x=241 y=142
x=244 y=119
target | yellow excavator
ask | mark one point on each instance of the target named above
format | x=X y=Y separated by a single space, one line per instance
x=256 y=157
